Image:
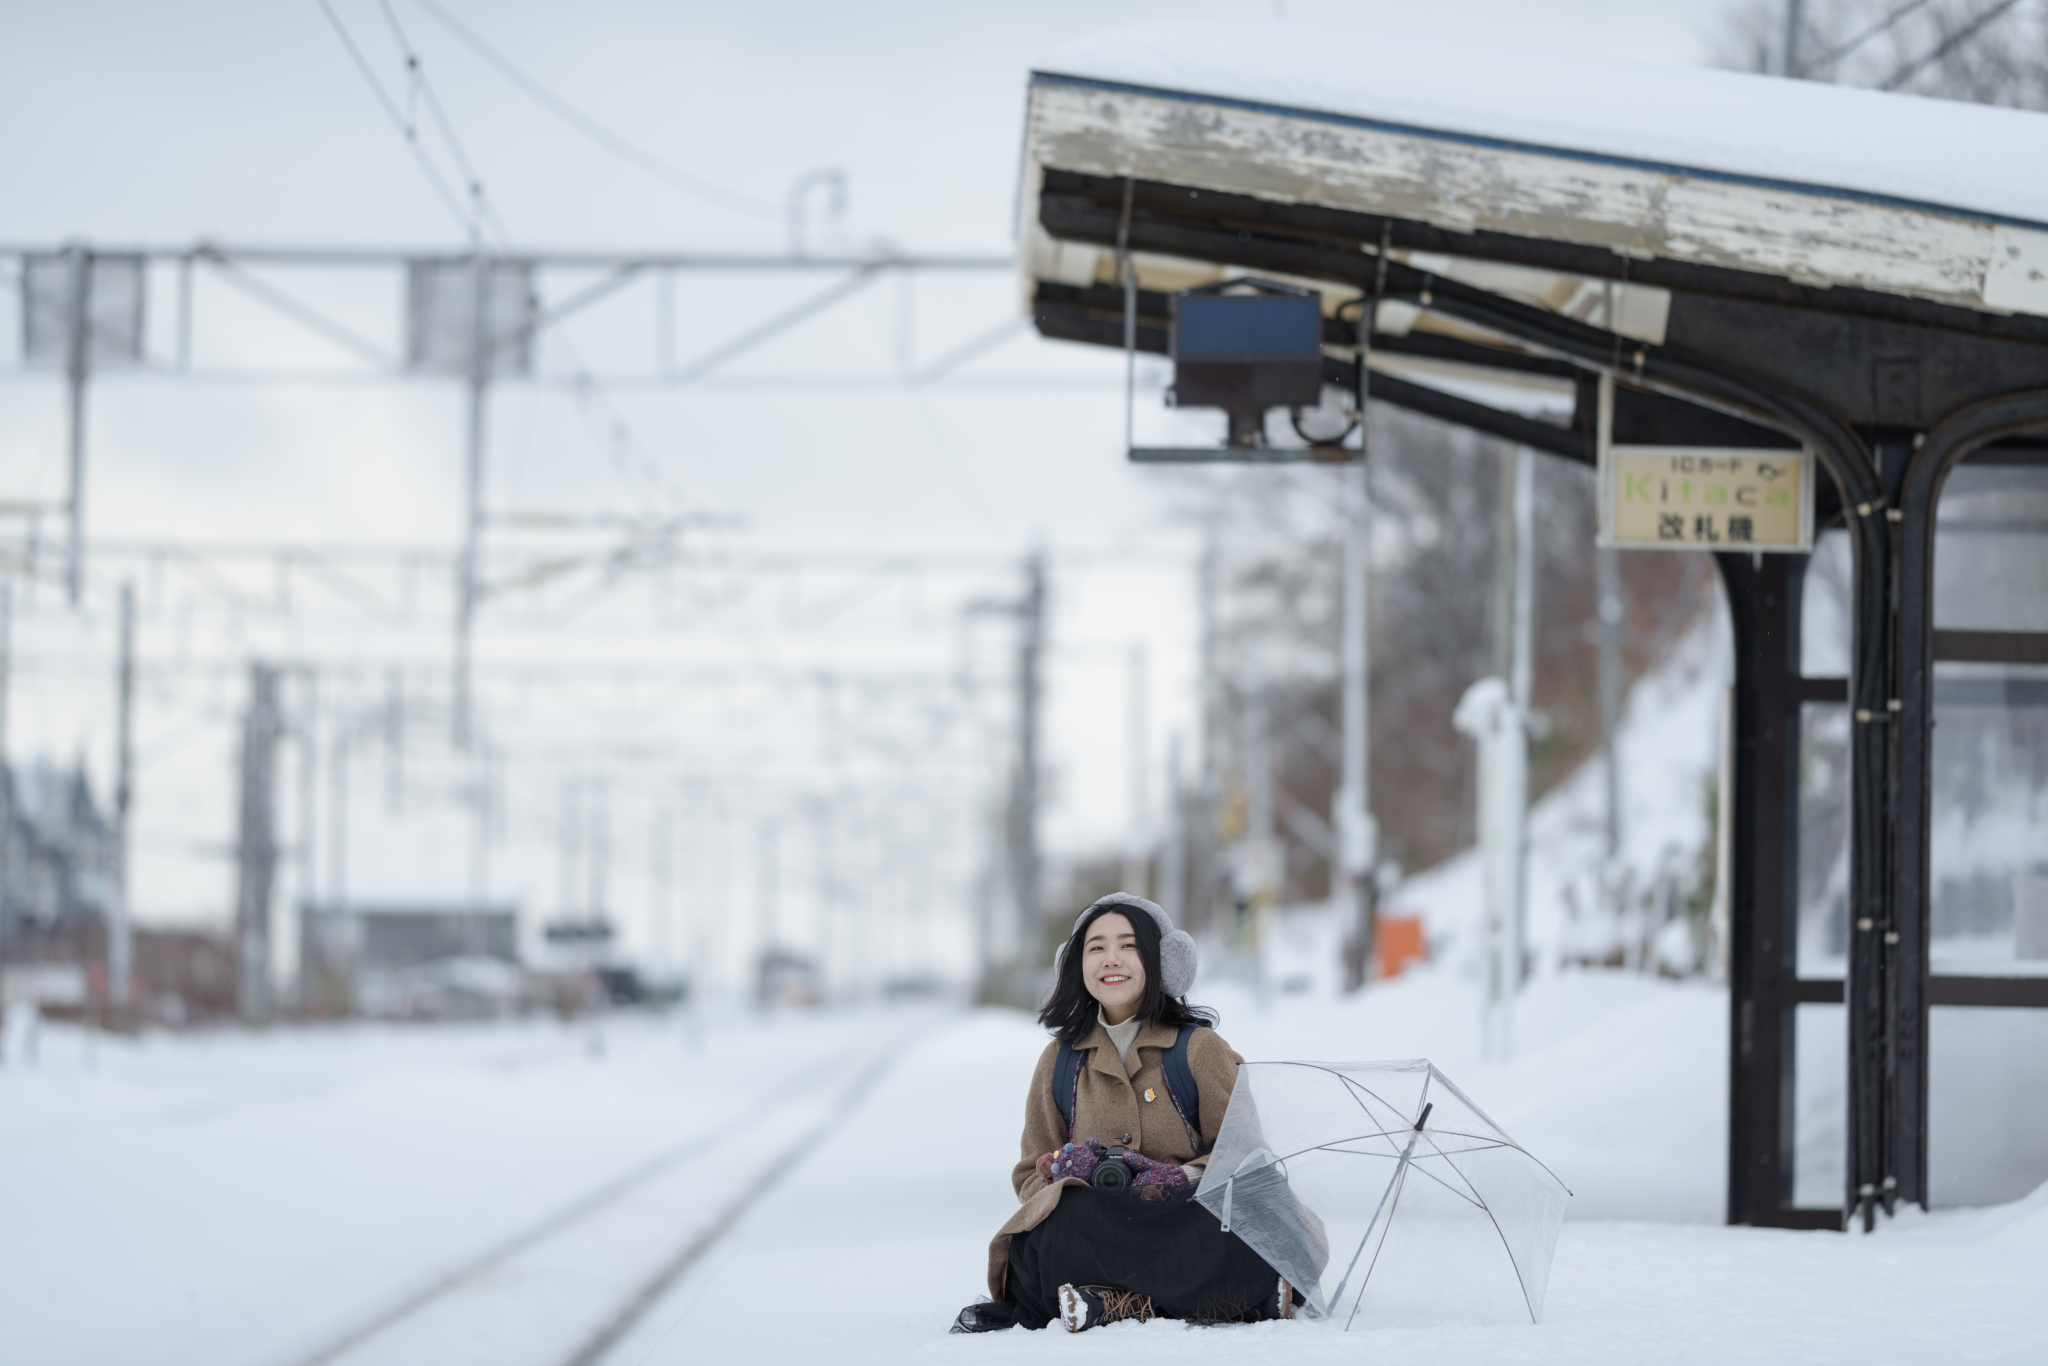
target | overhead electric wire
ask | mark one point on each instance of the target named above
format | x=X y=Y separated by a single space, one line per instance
x=622 y=435
x=604 y=137
x=404 y=125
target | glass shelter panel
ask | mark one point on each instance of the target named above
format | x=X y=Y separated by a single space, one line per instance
x=1987 y=1135
x=1991 y=549
x=1988 y=914
x=1820 y=1114
x=1826 y=607
x=1823 y=940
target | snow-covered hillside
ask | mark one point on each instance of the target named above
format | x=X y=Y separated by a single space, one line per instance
x=1667 y=750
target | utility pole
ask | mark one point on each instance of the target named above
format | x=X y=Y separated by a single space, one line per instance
x=307 y=818
x=598 y=856
x=337 y=821
x=1522 y=681
x=476 y=935
x=77 y=368
x=1495 y=712
x=6 y=789
x=469 y=588
x=1173 y=863
x=1200 y=830
x=1261 y=877
x=1024 y=858
x=660 y=883
x=120 y=930
x=256 y=845
x=1613 y=612
x=1138 y=841
x=568 y=836
x=394 y=742
x=1352 y=885
x=823 y=816
x=768 y=858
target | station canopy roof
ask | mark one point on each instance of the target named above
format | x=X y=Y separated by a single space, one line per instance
x=1820 y=184
x=1885 y=256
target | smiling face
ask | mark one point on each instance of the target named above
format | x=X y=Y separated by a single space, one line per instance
x=1111 y=967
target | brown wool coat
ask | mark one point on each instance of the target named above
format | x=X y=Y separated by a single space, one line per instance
x=1110 y=1105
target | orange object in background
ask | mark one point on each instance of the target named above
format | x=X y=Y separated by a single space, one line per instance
x=1397 y=941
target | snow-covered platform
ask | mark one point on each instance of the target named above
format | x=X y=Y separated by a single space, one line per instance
x=496 y=1195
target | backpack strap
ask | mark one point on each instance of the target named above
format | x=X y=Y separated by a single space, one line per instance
x=1180 y=1082
x=1066 y=1076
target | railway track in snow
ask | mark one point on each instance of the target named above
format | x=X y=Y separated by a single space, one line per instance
x=519 y=1301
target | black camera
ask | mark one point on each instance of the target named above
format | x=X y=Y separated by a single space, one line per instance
x=1112 y=1173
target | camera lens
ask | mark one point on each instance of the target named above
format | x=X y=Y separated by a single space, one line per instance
x=1111 y=1174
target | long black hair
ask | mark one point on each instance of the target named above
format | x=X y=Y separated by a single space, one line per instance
x=1070 y=1012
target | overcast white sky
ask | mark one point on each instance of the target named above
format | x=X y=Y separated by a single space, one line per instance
x=248 y=123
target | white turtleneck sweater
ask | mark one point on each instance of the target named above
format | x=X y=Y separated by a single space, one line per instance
x=1121 y=1035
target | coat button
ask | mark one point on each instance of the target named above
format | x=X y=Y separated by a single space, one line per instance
x=1125 y=1140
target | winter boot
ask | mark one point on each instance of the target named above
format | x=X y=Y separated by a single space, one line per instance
x=1285 y=1304
x=1090 y=1306
x=985 y=1316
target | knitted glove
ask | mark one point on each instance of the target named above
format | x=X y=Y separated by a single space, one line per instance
x=1155 y=1180
x=1077 y=1159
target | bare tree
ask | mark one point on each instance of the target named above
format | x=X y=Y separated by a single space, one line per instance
x=1434 y=488
x=1982 y=51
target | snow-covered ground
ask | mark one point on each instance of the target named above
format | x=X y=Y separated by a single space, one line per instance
x=264 y=1200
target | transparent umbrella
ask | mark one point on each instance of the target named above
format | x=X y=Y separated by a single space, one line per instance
x=1384 y=1194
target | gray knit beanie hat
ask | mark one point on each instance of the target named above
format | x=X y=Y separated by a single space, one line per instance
x=1176 y=947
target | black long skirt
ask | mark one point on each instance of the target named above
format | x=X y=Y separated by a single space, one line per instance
x=1172 y=1250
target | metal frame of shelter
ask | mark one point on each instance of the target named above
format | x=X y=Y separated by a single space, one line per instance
x=1890 y=391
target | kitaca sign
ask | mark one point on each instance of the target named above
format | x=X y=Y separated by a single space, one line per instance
x=1701 y=497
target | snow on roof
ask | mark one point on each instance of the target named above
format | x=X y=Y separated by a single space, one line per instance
x=1943 y=200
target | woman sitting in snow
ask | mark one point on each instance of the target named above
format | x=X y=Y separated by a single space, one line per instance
x=1093 y=1246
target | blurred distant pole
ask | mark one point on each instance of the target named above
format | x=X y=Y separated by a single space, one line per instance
x=768 y=859
x=1612 y=612
x=1199 y=825
x=1522 y=680
x=1351 y=882
x=337 y=819
x=1262 y=880
x=1173 y=859
x=1495 y=712
x=1138 y=841
x=476 y=934
x=394 y=741
x=77 y=367
x=256 y=846
x=6 y=784
x=823 y=817
x=479 y=378
x=1024 y=855
x=661 y=881
x=120 y=932
x=305 y=813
